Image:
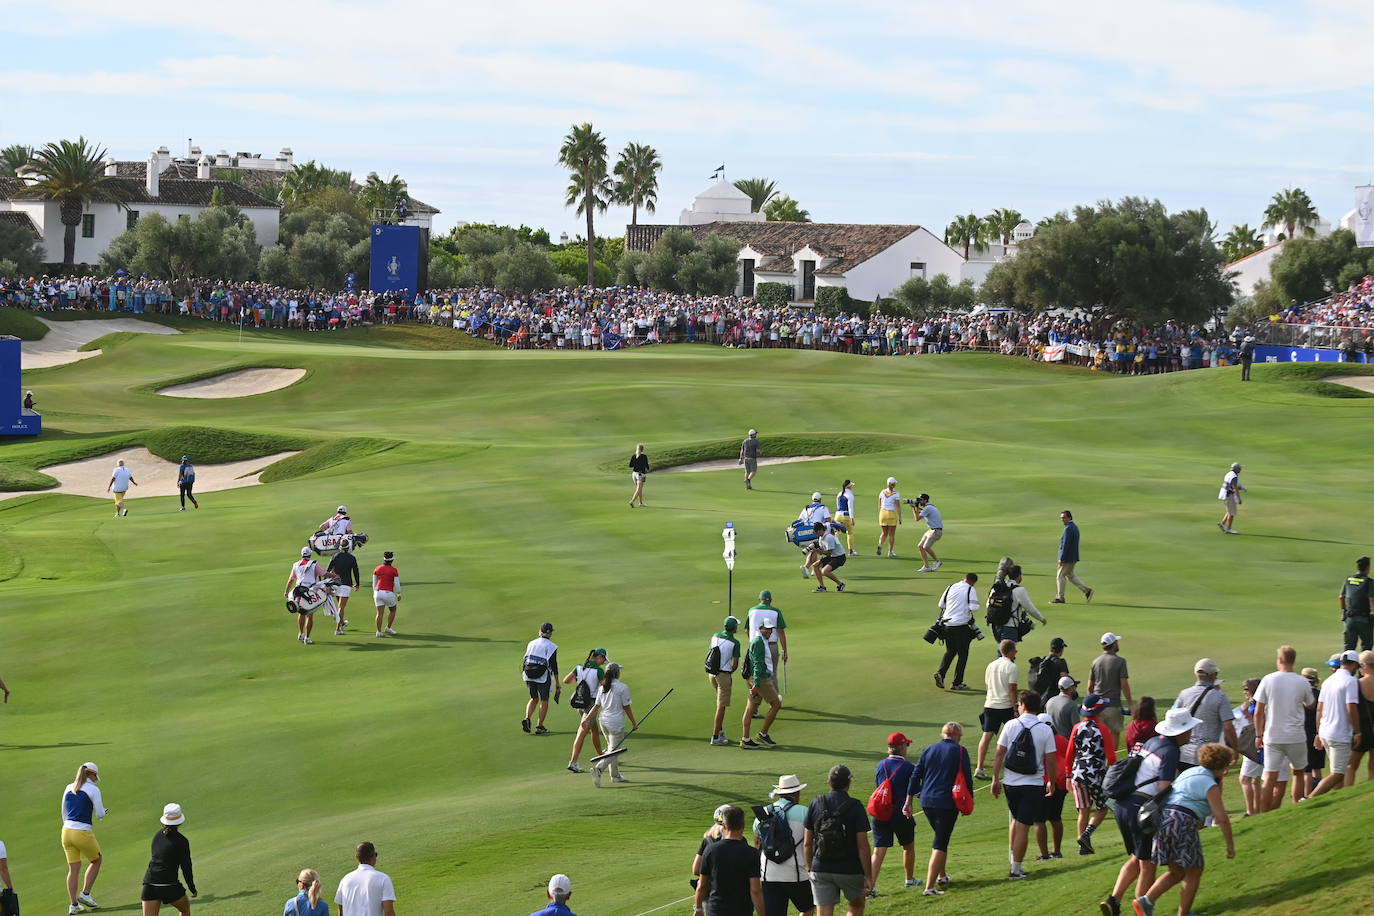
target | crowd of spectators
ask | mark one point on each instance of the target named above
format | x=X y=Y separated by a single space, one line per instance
x=1343 y=321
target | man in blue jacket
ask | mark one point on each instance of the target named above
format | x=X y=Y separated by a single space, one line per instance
x=1068 y=559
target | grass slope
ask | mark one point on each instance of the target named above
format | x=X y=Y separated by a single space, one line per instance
x=21 y=323
x=157 y=646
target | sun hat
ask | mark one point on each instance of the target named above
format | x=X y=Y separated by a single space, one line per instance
x=1109 y=639
x=1066 y=682
x=1094 y=703
x=787 y=785
x=1177 y=721
x=732 y=622
x=560 y=884
x=765 y=595
x=185 y=457
x=171 y=815
x=1206 y=666
x=1311 y=673
x=305 y=551
x=897 y=738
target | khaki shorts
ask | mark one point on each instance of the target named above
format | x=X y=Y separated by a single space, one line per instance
x=1232 y=505
x=1112 y=718
x=79 y=844
x=766 y=688
x=931 y=536
x=724 y=684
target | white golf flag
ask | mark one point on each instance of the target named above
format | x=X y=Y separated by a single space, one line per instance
x=728 y=554
x=1364 y=216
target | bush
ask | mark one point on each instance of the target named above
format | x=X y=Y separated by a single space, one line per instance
x=772 y=295
x=831 y=300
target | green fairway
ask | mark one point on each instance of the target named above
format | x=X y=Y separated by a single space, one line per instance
x=158 y=645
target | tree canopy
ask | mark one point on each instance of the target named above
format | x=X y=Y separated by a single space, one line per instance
x=636 y=175
x=1310 y=269
x=1293 y=211
x=759 y=190
x=783 y=209
x=583 y=154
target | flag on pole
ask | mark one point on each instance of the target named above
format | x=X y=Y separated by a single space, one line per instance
x=728 y=554
x=1364 y=216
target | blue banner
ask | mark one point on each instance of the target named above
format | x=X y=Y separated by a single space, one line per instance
x=1269 y=354
x=396 y=254
x=15 y=420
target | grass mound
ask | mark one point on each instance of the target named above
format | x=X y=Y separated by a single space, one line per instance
x=784 y=446
x=14 y=477
x=21 y=323
x=1308 y=378
x=326 y=455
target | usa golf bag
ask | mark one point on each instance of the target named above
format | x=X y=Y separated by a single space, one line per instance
x=326 y=545
x=308 y=598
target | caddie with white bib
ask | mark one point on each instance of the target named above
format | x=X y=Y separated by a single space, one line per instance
x=539 y=668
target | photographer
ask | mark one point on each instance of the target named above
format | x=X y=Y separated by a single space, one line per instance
x=957 y=629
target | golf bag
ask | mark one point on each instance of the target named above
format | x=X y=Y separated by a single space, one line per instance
x=307 y=598
x=803 y=534
x=326 y=545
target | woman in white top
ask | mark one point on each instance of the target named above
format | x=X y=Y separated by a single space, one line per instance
x=889 y=517
x=589 y=673
x=613 y=706
x=844 y=513
x=81 y=804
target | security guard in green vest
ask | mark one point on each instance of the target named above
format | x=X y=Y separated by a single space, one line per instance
x=1357 y=604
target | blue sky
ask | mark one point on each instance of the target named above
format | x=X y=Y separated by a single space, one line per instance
x=908 y=112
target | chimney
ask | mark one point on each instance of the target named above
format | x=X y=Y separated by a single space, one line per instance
x=153 y=173
x=111 y=167
x=284 y=159
x=203 y=168
x=222 y=159
x=195 y=152
x=164 y=158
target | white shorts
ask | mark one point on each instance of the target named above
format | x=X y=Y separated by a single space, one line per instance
x=383 y=598
x=636 y=476
x=1278 y=757
x=1338 y=755
x=343 y=591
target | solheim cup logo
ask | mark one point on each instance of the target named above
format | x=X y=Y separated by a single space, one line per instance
x=393 y=266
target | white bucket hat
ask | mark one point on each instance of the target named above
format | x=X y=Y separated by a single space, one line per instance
x=787 y=785
x=171 y=815
x=1177 y=721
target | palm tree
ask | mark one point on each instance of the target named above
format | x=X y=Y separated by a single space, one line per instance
x=1240 y=241
x=969 y=231
x=1292 y=209
x=73 y=174
x=308 y=176
x=760 y=191
x=637 y=179
x=583 y=154
x=383 y=195
x=785 y=209
x=14 y=157
x=1002 y=223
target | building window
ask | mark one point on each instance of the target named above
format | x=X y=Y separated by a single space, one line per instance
x=918 y=269
x=747 y=273
x=808 y=280
x=88 y=225
x=131 y=219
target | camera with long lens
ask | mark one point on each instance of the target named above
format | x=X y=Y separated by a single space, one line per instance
x=977 y=633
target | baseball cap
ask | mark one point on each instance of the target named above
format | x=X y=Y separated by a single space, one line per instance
x=719 y=815
x=305 y=551
x=897 y=738
x=1311 y=673
x=768 y=622
x=546 y=627
x=601 y=652
x=1066 y=682
x=732 y=623
x=753 y=432
x=815 y=497
x=1205 y=666
x=765 y=595
x=1044 y=717
x=92 y=767
x=1350 y=655
x=1094 y=703
x=925 y=496
x=560 y=884
x=388 y=555
x=892 y=480
x=343 y=510
x=1058 y=643
x=1235 y=465
x=1109 y=639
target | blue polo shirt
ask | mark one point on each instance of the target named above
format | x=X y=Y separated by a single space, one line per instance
x=554 y=909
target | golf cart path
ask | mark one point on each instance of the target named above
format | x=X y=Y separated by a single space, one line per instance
x=155 y=477
x=240 y=384
x=59 y=346
x=727 y=463
x=1362 y=382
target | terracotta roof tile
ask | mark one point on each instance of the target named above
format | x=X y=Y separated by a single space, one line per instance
x=849 y=244
x=18 y=218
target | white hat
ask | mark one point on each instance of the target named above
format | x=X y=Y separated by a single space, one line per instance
x=892 y=480
x=1177 y=721
x=92 y=767
x=560 y=884
x=787 y=785
x=1109 y=639
x=343 y=510
x=171 y=815
x=1066 y=682
x=769 y=622
x=1044 y=717
x=753 y=432
x=1235 y=465
x=305 y=551
x=1206 y=666
x=815 y=497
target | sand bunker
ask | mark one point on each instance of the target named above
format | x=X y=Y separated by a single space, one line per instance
x=155 y=477
x=1362 y=382
x=729 y=463
x=59 y=346
x=240 y=384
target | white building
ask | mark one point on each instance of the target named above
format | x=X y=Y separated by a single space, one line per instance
x=722 y=202
x=1254 y=267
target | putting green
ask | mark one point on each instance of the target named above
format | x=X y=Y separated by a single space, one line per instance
x=158 y=646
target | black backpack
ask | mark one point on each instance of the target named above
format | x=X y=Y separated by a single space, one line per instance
x=775 y=832
x=582 y=696
x=1120 y=782
x=1044 y=675
x=832 y=834
x=713 y=660
x=535 y=668
x=999 y=603
x=1021 y=755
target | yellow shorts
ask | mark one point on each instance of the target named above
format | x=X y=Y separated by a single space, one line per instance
x=724 y=684
x=889 y=518
x=119 y=497
x=847 y=521
x=79 y=844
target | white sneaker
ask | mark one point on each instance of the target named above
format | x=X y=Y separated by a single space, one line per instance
x=388 y=631
x=938 y=564
x=380 y=634
x=806 y=573
x=73 y=910
x=300 y=637
x=619 y=779
x=853 y=553
x=925 y=569
x=574 y=767
x=596 y=776
x=84 y=898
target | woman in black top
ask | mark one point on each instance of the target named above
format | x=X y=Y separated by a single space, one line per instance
x=171 y=853
x=639 y=469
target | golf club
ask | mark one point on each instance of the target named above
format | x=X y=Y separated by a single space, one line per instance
x=620 y=750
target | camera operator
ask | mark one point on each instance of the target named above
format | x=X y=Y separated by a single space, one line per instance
x=957 y=607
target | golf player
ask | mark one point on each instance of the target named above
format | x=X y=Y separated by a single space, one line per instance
x=722 y=681
x=1231 y=488
x=305 y=572
x=344 y=565
x=613 y=708
x=889 y=517
x=540 y=669
x=749 y=457
x=763 y=675
x=82 y=803
x=589 y=673
x=186 y=480
x=119 y=483
x=844 y=513
x=386 y=592
x=935 y=529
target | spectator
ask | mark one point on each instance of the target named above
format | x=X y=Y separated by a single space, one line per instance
x=1051 y=672
x=307 y=901
x=1158 y=767
x=1026 y=784
x=1092 y=752
x=1049 y=826
x=900 y=827
x=365 y=891
x=1304 y=781
x=1195 y=795
x=82 y=803
x=171 y=854
x=999 y=706
x=712 y=834
x=932 y=783
x=1279 y=730
x=1110 y=679
x=729 y=884
x=1338 y=721
x=785 y=882
x=1363 y=742
x=836 y=845
x=559 y=892
x=1143 y=722
x=1068 y=560
x=957 y=606
x=1063 y=707
x=1251 y=767
x=1357 y=603
x=1206 y=701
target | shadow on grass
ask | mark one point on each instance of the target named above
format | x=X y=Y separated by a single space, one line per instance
x=824 y=716
x=198 y=901
x=764 y=751
x=1290 y=537
x=446 y=637
x=388 y=644
x=1162 y=607
x=50 y=747
x=1271 y=894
